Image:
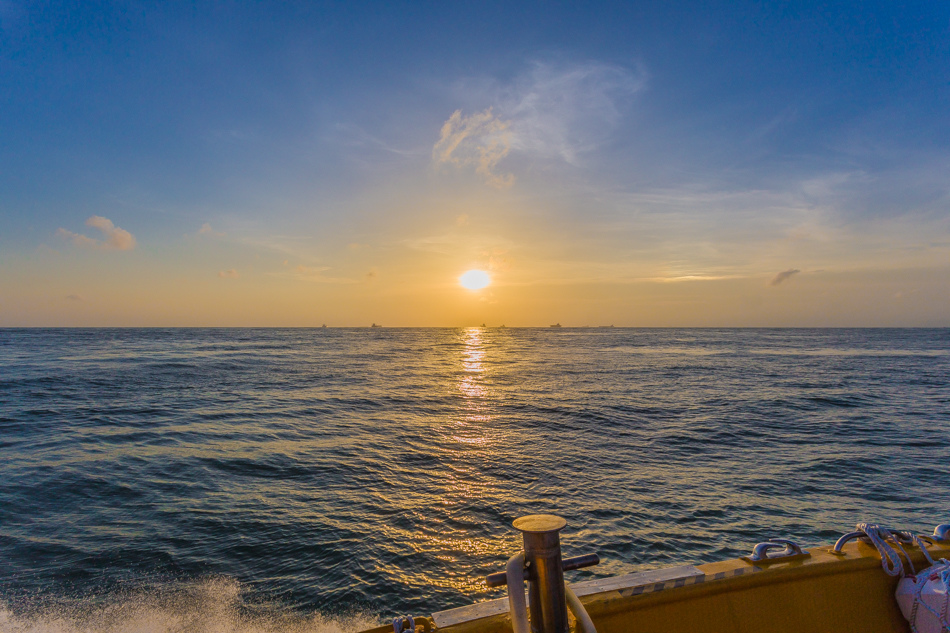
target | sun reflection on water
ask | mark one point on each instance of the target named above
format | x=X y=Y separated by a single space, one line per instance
x=459 y=522
x=473 y=354
x=475 y=404
x=470 y=430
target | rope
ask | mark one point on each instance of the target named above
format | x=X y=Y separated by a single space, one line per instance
x=398 y=624
x=923 y=549
x=890 y=559
x=913 y=572
x=891 y=562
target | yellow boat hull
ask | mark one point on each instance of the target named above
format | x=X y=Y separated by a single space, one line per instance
x=820 y=592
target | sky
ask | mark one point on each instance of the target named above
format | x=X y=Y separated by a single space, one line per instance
x=632 y=164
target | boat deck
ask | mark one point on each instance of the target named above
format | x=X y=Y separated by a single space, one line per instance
x=821 y=591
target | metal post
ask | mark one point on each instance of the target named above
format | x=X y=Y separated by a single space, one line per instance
x=542 y=551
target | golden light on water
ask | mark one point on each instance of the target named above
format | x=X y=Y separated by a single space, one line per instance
x=475 y=279
x=471 y=382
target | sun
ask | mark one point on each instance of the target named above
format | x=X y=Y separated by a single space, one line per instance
x=474 y=279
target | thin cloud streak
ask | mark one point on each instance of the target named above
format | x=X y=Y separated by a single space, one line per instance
x=356 y=136
x=784 y=276
x=315 y=274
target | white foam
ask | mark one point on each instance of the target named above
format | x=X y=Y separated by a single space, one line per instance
x=208 y=606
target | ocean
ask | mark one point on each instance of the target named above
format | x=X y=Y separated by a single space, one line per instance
x=326 y=479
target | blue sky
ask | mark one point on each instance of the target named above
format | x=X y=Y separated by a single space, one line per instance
x=632 y=163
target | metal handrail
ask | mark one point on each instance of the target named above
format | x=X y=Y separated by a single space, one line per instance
x=517 y=606
x=584 y=623
x=568 y=564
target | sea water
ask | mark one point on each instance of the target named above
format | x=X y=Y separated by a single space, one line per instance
x=321 y=479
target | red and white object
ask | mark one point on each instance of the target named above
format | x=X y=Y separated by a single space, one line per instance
x=924 y=599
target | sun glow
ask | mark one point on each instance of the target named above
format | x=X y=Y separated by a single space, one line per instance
x=474 y=279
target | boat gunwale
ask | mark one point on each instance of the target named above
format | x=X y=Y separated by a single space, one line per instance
x=711 y=579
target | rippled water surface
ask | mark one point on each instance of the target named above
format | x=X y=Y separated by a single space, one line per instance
x=273 y=480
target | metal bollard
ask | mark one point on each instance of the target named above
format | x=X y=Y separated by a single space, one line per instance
x=542 y=551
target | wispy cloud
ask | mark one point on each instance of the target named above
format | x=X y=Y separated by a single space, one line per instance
x=480 y=140
x=783 y=276
x=114 y=238
x=74 y=298
x=316 y=274
x=548 y=113
x=695 y=277
x=566 y=111
x=208 y=231
x=294 y=245
x=451 y=243
x=498 y=260
x=228 y=274
x=310 y=272
x=358 y=137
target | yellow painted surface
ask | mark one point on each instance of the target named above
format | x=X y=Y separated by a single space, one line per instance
x=824 y=592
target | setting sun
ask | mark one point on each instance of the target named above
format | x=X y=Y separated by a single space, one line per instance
x=474 y=279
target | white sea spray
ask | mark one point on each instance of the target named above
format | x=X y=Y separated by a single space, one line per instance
x=207 y=606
